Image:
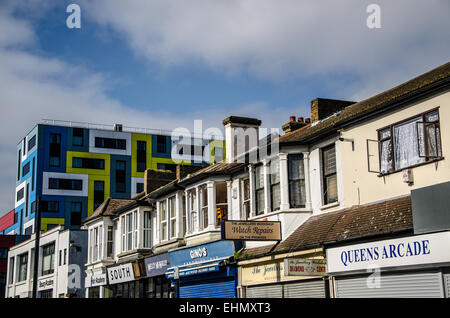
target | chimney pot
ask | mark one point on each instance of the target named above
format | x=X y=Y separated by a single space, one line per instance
x=300 y=119
x=292 y=118
x=308 y=120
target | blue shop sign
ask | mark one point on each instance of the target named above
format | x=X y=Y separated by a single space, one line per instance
x=157 y=265
x=202 y=253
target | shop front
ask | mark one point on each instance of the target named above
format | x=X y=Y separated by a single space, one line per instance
x=156 y=284
x=413 y=266
x=284 y=276
x=204 y=271
x=96 y=286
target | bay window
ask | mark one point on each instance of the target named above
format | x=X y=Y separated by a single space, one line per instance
x=275 y=184
x=204 y=206
x=109 y=242
x=246 y=198
x=329 y=174
x=259 y=189
x=173 y=216
x=221 y=202
x=193 y=206
x=163 y=220
x=147 y=230
x=129 y=225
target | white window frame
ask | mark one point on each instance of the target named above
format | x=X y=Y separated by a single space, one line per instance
x=172 y=216
x=163 y=221
x=148 y=230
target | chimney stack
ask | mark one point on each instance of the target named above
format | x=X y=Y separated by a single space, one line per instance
x=293 y=124
x=322 y=107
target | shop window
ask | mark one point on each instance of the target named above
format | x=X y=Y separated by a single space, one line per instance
x=22 y=267
x=259 y=189
x=296 y=175
x=46 y=293
x=221 y=202
x=204 y=206
x=410 y=142
x=275 y=184
x=330 y=194
x=173 y=216
x=48 y=254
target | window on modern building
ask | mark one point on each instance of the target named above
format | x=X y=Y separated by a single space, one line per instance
x=16 y=218
x=31 y=143
x=121 y=176
x=26 y=169
x=28 y=230
x=51 y=226
x=27 y=198
x=296 y=175
x=48 y=255
x=139 y=187
x=19 y=160
x=88 y=163
x=259 y=189
x=99 y=193
x=109 y=242
x=193 y=210
x=24 y=146
x=141 y=156
x=330 y=193
x=204 y=206
x=22 y=264
x=173 y=216
x=50 y=206
x=55 y=150
x=65 y=184
x=163 y=220
x=75 y=213
x=111 y=143
x=78 y=137
x=11 y=270
x=166 y=166
x=33 y=174
x=20 y=194
x=161 y=146
x=275 y=194
x=147 y=230
x=410 y=142
x=246 y=198
x=221 y=202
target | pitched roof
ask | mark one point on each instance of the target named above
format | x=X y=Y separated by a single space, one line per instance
x=381 y=218
x=108 y=207
x=378 y=102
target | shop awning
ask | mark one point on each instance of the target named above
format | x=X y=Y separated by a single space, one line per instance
x=195 y=269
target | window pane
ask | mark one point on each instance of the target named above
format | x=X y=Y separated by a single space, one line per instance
x=296 y=167
x=297 y=193
x=259 y=177
x=274 y=172
x=406 y=144
x=386 y=156
x=259 y=201
x=276 y=197
x=329 y=158
x=331 y=189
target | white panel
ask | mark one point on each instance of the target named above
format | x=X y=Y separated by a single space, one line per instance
x=110 y=134
x=21 y=201
x=134 y=181
x=61 y=175
x=415 y=285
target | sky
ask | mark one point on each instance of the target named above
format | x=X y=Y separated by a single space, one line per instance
x=163 y=64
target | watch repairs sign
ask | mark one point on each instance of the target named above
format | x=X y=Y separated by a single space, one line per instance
x=304 y=267
x=251 y=230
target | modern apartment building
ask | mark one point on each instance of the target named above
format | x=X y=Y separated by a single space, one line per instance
x=74 y=167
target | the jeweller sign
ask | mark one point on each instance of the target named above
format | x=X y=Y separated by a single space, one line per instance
x=304 y=267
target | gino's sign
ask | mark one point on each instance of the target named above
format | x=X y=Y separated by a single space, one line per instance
x=412 y=250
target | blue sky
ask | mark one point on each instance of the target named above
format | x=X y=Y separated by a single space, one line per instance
x=164 y=64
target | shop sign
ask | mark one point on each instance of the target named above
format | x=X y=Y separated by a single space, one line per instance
x=265 y=273
x=202 y=253
x=413 y=250
x=251 y=230
x=120 y=274
x=157 y=265
x=45 y=284
x=179 y=273
x=304 y=267
x=95 y=280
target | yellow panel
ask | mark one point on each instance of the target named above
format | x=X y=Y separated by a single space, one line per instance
x=134 y=139
x=156 y=160
x=46 y=221
x=213 y=144
x=93 y=178
x=100 y=172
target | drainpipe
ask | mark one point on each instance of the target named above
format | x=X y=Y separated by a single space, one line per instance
x=37 y=230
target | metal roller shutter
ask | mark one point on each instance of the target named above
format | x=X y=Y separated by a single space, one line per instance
x=209 y=289
x=412 y=285
x=447 y=285
x=306 y=289
x=265 y=291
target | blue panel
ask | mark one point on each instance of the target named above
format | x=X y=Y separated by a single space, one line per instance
x=61 y=212
x=113 y=191
x=63 y=132
x=225 y=288
x=167 y=153
x=82 y=148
